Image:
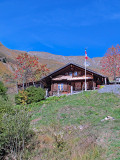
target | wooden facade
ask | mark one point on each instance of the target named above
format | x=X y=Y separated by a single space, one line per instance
x=71 y=77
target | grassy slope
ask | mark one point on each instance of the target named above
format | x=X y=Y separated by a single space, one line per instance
x=51 y=64
x=4 y=69
x=10 y=55
x=86 y=109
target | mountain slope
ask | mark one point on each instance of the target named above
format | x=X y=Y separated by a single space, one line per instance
x=53 y=61
x=93 y=63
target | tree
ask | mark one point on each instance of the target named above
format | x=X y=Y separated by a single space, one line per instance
x=28 y=68
x=110 y=63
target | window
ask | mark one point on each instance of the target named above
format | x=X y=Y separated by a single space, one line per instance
x=117 y=79
x=79 y=73
x=75 y=73
x=66 y=73
x=70 y=73
x=60 y=87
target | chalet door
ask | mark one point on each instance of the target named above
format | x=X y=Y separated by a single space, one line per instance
x=83 y=85
x=90 y=85
x=78 y=86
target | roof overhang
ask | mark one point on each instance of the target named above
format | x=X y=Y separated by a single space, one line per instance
x=70 y=78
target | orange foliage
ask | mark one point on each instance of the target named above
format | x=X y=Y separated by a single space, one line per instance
x=110 y=63
x=29 y=68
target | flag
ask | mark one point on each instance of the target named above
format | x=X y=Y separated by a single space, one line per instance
x=86 y=57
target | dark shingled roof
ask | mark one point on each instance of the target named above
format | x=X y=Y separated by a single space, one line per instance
x=75 y=65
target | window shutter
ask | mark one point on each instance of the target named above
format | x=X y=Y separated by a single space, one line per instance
x=55 y=87
x=64 y=87
x=88 y=87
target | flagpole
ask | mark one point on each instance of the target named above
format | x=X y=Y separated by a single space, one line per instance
x=85 y=72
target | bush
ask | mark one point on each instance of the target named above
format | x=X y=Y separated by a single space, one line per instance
x=101 y=87
x=30 y=95
x=35 y=94
x=3 y=90
x=4 y=60
x=21 y=97
x=5 y=108
x=14 y=129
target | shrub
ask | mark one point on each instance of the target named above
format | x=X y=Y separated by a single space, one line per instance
x=21 y=97
x=101 y=87
x=3 y=90
x=30 y=95
x=5 y=107
x=14 y=132
x=35 y=94
x=14 y=129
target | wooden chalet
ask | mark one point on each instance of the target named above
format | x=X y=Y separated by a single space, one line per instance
x=71 y=78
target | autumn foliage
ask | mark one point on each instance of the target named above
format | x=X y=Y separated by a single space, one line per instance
x=110 y=63
x=29 y=69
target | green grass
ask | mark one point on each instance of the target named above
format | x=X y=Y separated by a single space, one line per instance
x=86 y=109
x=89 y=106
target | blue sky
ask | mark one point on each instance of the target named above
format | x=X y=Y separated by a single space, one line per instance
x=63 y=27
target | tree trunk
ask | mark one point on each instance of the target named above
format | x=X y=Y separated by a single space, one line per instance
x=33 y=84
x=17 y=87
x=115 y=73
x=23 y=84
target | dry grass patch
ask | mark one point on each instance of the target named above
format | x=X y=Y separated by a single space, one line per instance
x=69 y=142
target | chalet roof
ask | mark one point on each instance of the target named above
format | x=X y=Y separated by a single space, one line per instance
x=52 y=73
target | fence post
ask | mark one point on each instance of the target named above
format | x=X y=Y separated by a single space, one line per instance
x=71 y=89
x=105 y=81
x=47 y=92
x=58 y=92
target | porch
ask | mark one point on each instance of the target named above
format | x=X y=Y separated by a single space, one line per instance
x=70 y=87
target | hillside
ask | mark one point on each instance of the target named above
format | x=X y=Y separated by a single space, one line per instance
x=93 y=63
x=10 y=55
x=53 y=61
x=74 y=127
